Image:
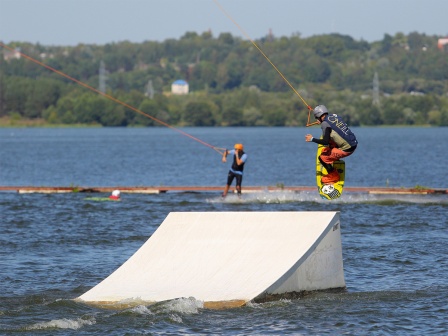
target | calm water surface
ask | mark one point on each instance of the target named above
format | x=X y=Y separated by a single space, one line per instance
x=55 y=247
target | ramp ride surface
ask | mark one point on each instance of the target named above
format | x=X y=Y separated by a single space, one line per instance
x=226 y=259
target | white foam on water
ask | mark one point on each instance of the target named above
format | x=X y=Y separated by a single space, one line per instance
x=267 y=197
x=184 y=305
x=278 y=197
x=141 y=310
x=62 y=324
x=391 y=198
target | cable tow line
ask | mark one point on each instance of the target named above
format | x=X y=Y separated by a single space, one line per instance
x=267 y=58
x=218 y=149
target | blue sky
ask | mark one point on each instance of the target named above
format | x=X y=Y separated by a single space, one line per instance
x=70 y=22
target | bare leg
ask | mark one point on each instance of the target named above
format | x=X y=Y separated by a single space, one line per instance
x=226 y=190
x=238 y=189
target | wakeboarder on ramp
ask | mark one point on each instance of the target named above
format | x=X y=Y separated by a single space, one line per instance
x=226 y=259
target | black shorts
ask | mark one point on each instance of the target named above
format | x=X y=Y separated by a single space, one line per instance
x=231 y=176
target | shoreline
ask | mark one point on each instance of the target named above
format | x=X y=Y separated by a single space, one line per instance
x=7 y=122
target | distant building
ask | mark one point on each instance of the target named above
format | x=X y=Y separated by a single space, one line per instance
x=179 y=87
x=441 y=43
x=9 y=55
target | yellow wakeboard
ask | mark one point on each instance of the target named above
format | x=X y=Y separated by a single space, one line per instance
x=329 y=191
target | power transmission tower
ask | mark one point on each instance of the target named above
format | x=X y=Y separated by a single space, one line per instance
x=376 y=90
x=149 y=90
x=2 y=85
x=103 y=77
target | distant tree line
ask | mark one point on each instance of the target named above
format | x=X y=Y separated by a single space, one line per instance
x=231 y=83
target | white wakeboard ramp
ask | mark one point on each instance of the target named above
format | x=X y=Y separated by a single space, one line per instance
x=226 y=259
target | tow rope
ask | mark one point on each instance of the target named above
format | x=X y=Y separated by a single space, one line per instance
x=218 y=149
x=267 y=58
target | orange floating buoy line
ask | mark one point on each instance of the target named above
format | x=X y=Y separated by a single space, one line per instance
x=267 y=58
x=218 y=149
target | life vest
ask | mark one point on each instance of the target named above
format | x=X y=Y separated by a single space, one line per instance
x=235 y=166
x=340 y=127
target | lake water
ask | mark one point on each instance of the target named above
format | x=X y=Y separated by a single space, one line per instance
x=54 y=247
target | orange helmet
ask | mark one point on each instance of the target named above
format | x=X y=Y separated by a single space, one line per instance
x=239 y=146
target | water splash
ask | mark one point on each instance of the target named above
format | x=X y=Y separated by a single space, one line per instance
x=62 y=324
x=281 y=197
